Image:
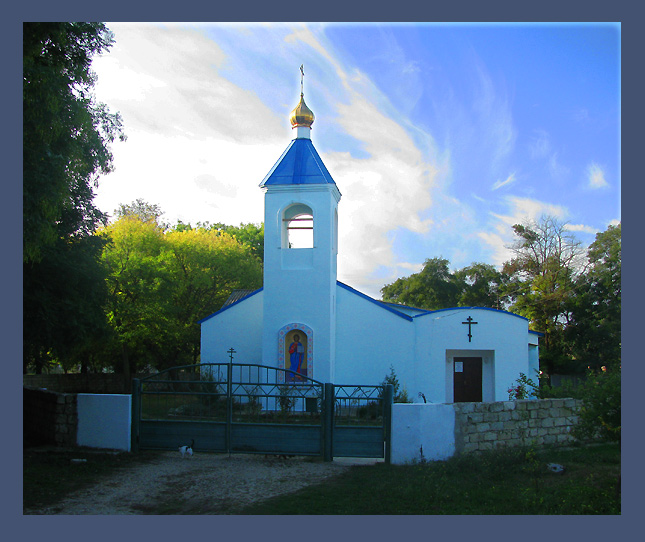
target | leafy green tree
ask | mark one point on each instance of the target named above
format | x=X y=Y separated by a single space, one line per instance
x=147 y=212
x=482 y=286
x=594 y=327
x=63 y=300
x=161 y=283
x=249 y=234
x=66 y=134
x=547 y=259
x=136 y=282
x=434 y=287
x=66 y=137
x=204 y=267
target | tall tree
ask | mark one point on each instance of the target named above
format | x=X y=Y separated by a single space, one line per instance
x=66 y=134
x=547 y=259
x=66 y=137
x=594 y=330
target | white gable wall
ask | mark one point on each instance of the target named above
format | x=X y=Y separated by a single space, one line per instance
x=369 y=339
x=500 y=338
x=238 y=326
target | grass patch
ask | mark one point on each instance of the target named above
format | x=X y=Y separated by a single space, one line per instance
x=504 y=482
x=49 y=476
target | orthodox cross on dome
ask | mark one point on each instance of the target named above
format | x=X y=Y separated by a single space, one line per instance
x=302 y=75
x=470 y=322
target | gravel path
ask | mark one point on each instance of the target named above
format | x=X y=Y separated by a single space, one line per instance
x=202 y=484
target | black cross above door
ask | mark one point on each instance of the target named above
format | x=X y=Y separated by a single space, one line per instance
x=470 y=322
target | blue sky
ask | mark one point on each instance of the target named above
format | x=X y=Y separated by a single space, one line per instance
x=440 y=137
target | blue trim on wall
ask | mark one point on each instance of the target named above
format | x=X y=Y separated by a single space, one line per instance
x=474 y=308
x=379 y=303
x=231 y=305
x=388 y=307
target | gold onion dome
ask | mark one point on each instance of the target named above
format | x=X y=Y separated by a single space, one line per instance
x=301 y=115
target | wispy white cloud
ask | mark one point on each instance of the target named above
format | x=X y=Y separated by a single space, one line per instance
x=596 y=177
x=499 y=233
x=510 y=179
x=580 y=228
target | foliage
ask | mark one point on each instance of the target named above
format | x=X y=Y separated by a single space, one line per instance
x=400 y=395
x=482 y=286
x=435 y=287
x=63 y=303
x=523 y=388
x=594 y=330
x=66 y=134
x=161 y=283
x=66 y=137
x=547 y=259
x=600 y=414
x=144 y=211
x=251 y=235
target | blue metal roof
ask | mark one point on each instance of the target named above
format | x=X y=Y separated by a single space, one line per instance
x=299 y=164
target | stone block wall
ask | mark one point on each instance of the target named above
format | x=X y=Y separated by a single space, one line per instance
x=49 y=418
x=487 y=426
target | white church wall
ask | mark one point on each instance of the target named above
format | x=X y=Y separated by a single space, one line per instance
x=500 y=338
x=369 y=340
x=238 y=326
x=299 y=283
x=422 y=431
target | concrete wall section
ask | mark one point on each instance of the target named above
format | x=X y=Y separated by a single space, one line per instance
x=422 y=432
x=104 y=421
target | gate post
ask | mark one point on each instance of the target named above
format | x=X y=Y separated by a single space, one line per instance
x=388 y=399
x=135 y=414
x=328 y=422
x=229 y=403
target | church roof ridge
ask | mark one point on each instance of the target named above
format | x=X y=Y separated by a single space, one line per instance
x=300 y=163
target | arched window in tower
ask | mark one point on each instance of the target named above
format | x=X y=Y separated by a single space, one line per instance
x=298 y=227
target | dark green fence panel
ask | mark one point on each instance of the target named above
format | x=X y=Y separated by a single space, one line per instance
x=278 y=439
x=250 y=408
x=357 y=441
x=169 y=435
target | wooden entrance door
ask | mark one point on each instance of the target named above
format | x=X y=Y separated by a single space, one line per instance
x=467 y=380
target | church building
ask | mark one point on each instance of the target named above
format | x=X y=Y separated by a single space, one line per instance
x=305 y=320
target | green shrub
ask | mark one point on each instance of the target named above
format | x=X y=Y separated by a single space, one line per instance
x=599 y=415
x=400 y=395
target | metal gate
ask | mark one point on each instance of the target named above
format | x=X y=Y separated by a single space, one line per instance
x=250 y=408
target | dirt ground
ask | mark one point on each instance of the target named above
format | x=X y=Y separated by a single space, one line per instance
x=201 y=484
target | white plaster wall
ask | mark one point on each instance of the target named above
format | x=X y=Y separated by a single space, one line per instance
x=501 y=333
x=300 y=284
x=368 y=340
x=104 y=421
x=427 y=427
x=239 y=327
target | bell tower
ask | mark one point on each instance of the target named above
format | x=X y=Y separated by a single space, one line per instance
x=300 y=255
